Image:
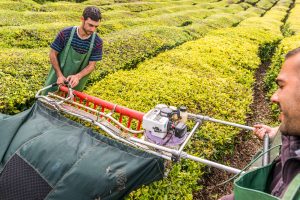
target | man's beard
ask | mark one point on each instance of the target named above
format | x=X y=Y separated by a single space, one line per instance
x=85 y=31
x=288 y=127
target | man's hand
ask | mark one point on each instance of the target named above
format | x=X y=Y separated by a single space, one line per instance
x=61 y=80
x=260 y=130
x=73 y=80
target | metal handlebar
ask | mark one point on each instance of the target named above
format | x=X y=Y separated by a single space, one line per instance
x=69 y=96
x=206 y=118
x=266 y=156
x=38 y=94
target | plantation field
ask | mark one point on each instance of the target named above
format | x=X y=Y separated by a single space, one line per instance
x=198 y=53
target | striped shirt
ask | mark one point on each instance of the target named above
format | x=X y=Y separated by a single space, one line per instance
x=79 y=45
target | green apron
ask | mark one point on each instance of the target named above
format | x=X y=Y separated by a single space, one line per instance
x=71 y=63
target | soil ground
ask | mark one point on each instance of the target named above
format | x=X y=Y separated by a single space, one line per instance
x=246 y=144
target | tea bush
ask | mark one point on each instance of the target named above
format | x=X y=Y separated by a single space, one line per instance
x=20 y=5
x=293 y=19
x=22 y=72
x=123 y=49
x=16 y=18
x=272 y=20
x=266 y=4
x=286 y=45
x=43 y=33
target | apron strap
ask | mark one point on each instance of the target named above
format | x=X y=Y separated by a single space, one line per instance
x=91 y=48
x=68 y=47
x=292 y=189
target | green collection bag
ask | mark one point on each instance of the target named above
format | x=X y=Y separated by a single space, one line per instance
x=44 y=155
x=253 y=186
x=2 y=116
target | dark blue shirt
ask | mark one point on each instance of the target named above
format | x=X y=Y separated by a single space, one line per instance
x=79 y=45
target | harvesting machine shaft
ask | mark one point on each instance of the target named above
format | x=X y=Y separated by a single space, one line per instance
x=158 y=121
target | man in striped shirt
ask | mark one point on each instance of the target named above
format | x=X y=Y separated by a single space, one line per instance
x=75 y=51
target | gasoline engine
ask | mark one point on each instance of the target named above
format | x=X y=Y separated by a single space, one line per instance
x=165 y=125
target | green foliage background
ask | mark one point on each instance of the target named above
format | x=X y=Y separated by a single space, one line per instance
x=198 y=53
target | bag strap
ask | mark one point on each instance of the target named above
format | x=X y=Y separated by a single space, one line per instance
x=292 y=189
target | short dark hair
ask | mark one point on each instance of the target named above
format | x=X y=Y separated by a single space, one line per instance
x=92 y=12
x=292 y=53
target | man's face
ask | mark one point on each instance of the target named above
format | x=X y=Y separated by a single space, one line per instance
x=89 y=26
x=287 y=96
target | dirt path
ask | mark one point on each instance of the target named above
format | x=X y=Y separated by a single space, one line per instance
x=246 y=144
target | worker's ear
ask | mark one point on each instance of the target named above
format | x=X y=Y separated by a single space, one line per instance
x=82 y=19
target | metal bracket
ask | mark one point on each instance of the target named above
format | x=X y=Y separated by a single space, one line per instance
x=175 y=158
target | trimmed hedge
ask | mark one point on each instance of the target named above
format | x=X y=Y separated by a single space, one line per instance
x=139 y=6
x=252 y=12
x=142 y=43
x=20 y=5
x=173 y=19
x=15 y=18
x=182 y=18
x=266 y=4
x=177 y=8
x=123 y=50
x=22 y=73
x=293 y=20
x=44 y=1
x=33 y=36
x=252 y=2
x=52 y=12
x=121 y=14
x=118 y=44
x=40 y=35
x=272 y=20
x=201 y=27
x=64 y=6
x=286 y=45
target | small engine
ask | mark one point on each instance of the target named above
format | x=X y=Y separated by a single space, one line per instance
x=157 y=124
x=165 y=125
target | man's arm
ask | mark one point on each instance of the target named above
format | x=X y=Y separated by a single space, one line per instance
x=74 y=79
x=55 y=64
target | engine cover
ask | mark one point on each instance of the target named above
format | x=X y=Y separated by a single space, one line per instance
x=155 y=123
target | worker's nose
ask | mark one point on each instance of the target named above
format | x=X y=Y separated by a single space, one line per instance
x=274 y=97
